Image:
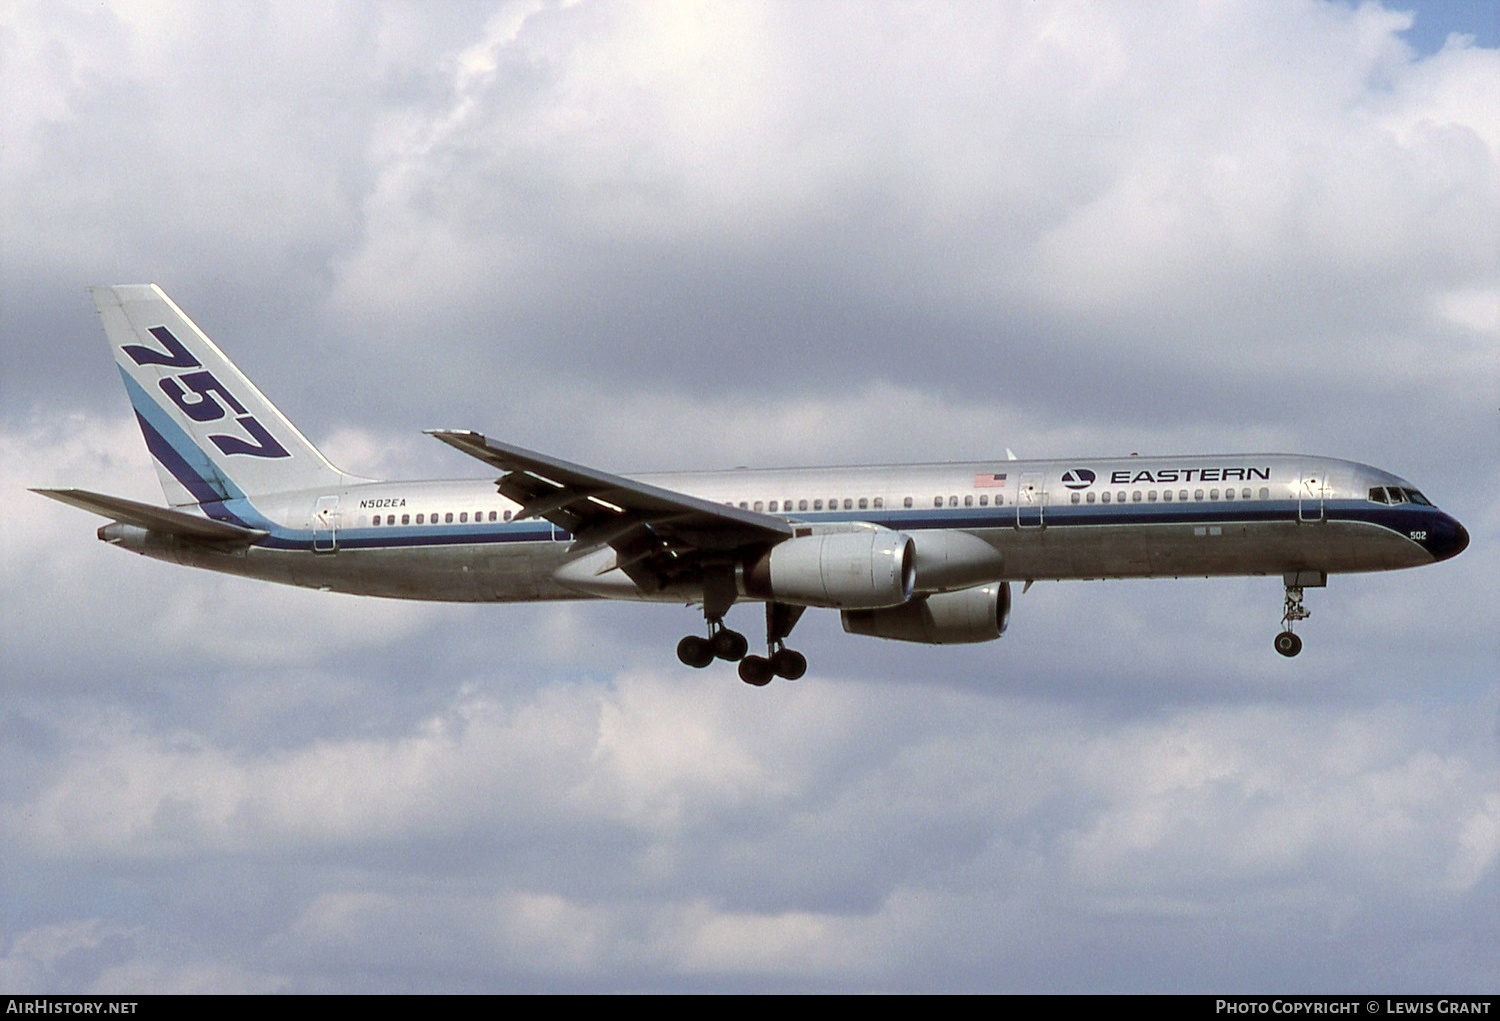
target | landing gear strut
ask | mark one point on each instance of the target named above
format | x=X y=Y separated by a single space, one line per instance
x=1287 y=643
x=722 y=642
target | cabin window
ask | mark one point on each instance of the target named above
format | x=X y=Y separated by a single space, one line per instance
x=937 y=501
x=1135 y=497
x=406 y=519
x=817 y=505
x=1090 y=496
x=1166 y=495
x=864 y=502
x=802 y=505
x=1120 y=496
x=1265 y=494
x=952 y=501
x=448 y=518
x=1076 y=497
x=1104 y=497
x=760 y=505
x=879 y=502
x=1151 y=496
x=969 y=500
x=1197 y=494
x=1229 y=494
x=463 y=518
x=772 y=507
x=1245 y=493
x=1213 y=494
x=1182 y=494
x=906 y=503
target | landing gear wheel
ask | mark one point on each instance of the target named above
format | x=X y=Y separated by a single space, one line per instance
x=756 y=670
x=788 y=664
x=1288 y=644
x=695 y=651
x=727 y=644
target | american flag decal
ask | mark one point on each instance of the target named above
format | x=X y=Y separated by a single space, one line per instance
x=989 y=480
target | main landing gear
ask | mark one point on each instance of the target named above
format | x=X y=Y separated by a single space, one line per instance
x=723 y=643
x=1287 y=643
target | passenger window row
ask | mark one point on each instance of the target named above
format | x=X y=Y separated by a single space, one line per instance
x=448 y=518
x=1379 y=494
x=857 y=503
x=792 y=506
x=1166 y=495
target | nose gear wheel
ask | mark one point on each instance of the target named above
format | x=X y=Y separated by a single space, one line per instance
x=1287 y=642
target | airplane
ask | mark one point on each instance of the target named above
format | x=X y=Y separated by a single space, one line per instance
x=916 y=552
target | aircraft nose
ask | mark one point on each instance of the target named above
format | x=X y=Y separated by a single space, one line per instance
x=1448 y=538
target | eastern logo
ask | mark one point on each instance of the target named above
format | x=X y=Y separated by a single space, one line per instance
x=1078 y=478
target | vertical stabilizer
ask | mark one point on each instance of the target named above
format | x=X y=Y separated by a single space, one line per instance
x=213 y=435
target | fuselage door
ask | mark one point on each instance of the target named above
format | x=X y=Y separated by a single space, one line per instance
x=1310 y=495
x=1031 y=501
x=325 y=525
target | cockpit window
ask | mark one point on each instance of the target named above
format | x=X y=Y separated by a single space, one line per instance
x=1397 y=494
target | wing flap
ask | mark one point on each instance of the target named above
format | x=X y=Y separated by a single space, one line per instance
x=154 y=519
x=659 y=536
x=576 y=497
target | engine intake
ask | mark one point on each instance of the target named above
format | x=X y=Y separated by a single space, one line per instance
x=845 y=570
x=944 y=618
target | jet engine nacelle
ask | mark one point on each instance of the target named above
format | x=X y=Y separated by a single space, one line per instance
x=863 y=569
x=943 y=618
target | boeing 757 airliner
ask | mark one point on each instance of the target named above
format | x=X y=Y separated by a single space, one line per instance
x=916 y=553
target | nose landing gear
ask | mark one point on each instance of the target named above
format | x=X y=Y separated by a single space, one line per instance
x=1287 y=643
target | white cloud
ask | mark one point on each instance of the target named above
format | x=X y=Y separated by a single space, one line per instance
x=696 y=235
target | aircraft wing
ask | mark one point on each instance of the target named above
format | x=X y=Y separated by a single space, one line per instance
x=658 y=534
x=154 y=519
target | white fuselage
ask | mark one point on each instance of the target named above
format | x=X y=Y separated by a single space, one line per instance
x=971 y=523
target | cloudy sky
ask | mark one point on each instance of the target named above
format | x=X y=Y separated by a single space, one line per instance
x=659 y=235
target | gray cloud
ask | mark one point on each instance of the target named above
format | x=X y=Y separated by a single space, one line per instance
x=652 y=237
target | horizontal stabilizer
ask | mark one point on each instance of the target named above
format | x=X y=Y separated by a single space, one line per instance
x=155 y=519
